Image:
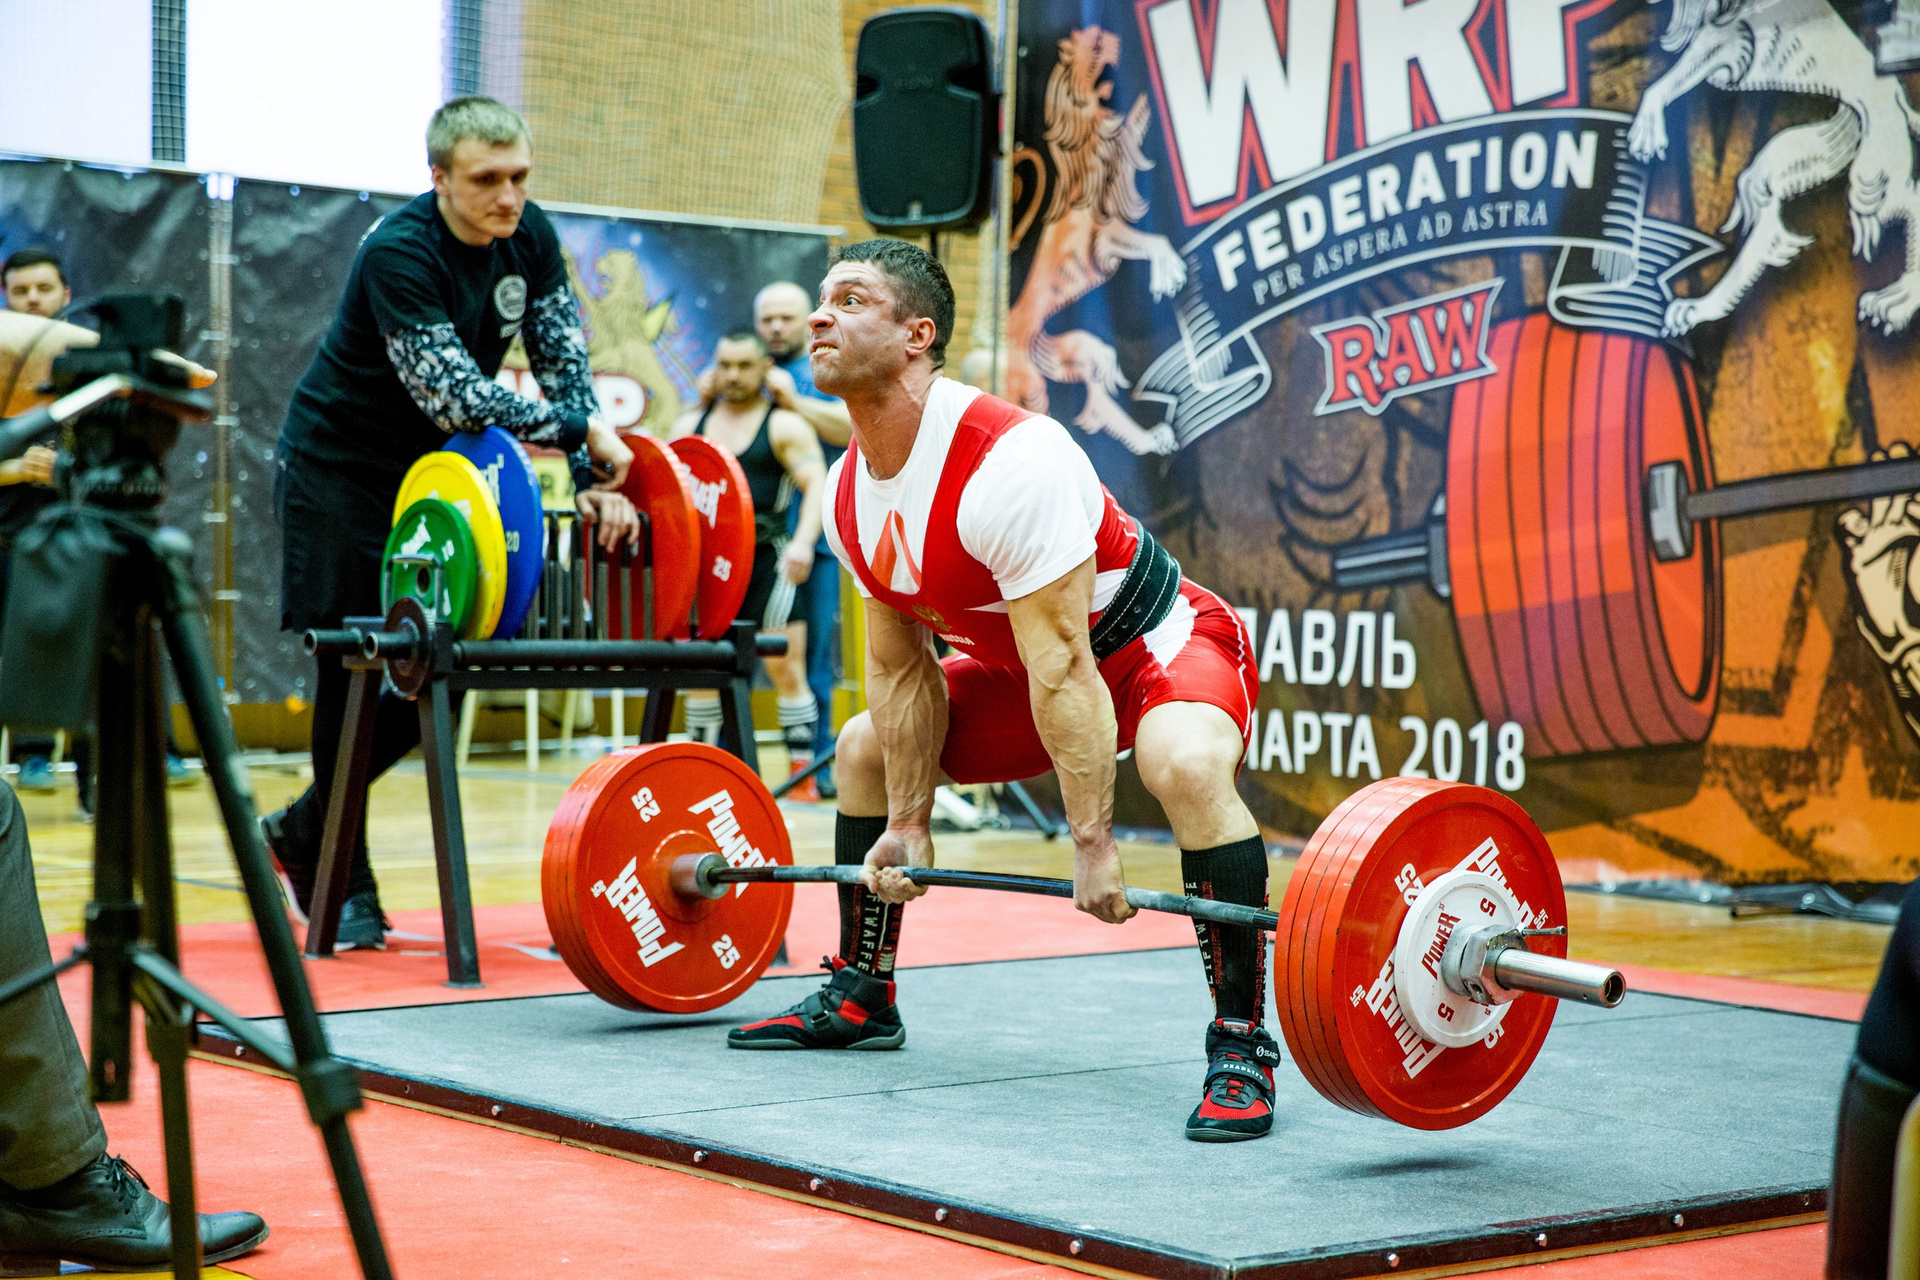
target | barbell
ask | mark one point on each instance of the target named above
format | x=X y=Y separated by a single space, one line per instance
x=1419 y=948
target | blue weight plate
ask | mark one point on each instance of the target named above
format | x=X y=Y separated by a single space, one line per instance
x=517 y=489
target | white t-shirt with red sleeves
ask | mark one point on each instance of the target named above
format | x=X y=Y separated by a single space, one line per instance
x=1029 y=512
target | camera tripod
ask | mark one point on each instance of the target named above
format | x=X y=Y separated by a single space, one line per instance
x=126 y=407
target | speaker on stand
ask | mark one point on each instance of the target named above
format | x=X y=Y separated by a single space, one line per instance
x=926 y=121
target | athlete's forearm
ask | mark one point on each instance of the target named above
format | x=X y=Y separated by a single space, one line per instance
x=1072 y=709
x=907 y=699
x=1073 y=712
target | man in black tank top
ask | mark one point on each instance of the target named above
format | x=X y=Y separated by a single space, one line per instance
x=781 y=456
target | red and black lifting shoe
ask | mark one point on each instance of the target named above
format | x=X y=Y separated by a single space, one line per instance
x=1236 y=1100
x=854 y=1010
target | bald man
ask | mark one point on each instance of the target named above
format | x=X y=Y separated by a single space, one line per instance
x=780 y=316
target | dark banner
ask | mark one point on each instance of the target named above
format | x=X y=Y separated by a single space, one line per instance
x=655 y=296
x=1408 y=327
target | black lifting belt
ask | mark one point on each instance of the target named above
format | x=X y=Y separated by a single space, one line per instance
x=1144 y=600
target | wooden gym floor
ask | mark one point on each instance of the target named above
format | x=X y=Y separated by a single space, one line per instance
x=507 y=811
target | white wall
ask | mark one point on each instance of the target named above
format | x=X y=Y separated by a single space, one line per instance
x=335 y=94
x=76 y=78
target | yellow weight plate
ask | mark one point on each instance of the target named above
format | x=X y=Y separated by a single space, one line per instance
x=451 y=478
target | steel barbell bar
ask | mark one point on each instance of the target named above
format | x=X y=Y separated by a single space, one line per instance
x=1507 y=961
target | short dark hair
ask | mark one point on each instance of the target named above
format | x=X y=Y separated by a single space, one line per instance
x=31 y=258
x=745 y=335
x=920 y=285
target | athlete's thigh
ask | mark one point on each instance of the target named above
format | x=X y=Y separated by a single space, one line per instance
x=990 y=732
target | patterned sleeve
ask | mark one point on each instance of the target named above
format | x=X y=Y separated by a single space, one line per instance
x=446 y=382
x=557 y=354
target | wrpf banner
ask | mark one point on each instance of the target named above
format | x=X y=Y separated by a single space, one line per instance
x=1409 y=327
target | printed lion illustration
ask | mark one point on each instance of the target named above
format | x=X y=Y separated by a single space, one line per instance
x=1800 y=47
x=622 y=327
x=1086 y=231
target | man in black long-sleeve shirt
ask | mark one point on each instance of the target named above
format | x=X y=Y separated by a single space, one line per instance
x=437 y=293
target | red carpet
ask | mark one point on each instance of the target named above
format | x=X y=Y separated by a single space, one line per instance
x=946 y=927
x=462 y=1200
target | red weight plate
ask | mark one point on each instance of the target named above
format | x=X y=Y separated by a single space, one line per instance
x=724 y=505
x=1383 y=804
x=605 y=878
x=1294 y=993
x=1568 y=624
x=557 y=864
x=659 y=485
x=1378 y=804
x=1400 y=1076
x=1289 y=990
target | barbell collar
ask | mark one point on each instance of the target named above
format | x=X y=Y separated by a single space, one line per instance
x=1518 y=969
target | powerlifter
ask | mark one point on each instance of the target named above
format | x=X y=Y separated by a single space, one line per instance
x=964 y=517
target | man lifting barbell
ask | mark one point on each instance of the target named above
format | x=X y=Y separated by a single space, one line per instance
x=437 y=294
x=965 y=517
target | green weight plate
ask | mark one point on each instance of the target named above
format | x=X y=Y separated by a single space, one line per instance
x=433 y=527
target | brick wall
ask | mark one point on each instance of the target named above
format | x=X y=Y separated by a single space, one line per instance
x=840 y=195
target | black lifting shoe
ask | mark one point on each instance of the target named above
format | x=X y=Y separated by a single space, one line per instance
x=1236 y=1100
x=105 y=1217
x=853 y=1011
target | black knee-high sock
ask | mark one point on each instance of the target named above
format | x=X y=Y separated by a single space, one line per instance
x=1234 y=956
x=869 y=928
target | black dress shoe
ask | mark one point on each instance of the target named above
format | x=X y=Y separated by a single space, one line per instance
x=363 y=926
x=104 y=1217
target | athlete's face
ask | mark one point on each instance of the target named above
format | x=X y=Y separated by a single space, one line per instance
x=859 y=342
x=739 y=371
x=37 y=290
x=483 y=189
x=780 y=314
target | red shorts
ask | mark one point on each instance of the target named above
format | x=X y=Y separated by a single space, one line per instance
x=1201 y=653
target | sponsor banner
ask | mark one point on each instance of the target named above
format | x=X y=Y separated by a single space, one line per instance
x=655 y=297
x=1411 y=329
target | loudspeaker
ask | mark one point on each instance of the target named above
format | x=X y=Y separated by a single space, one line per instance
x=926 y=119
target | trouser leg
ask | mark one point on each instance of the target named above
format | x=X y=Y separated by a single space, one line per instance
x=396 y=732
x=48 y=1125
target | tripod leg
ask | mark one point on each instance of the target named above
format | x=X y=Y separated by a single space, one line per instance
x=330 y=1087
x=167 y=1033
x=449 y=835
x=122 y=832
x=344 y=808
x=167 y=1019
